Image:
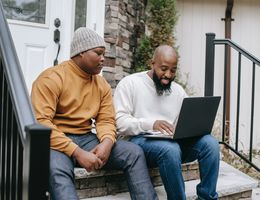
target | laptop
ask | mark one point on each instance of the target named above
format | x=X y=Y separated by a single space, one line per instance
x=196 y=118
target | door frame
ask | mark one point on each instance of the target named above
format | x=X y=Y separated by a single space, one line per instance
x=96 y=20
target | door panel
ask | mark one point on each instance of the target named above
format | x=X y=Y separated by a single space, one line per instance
x=38 y=53
x=33 y=33
x=34 y=47
x=32 y=27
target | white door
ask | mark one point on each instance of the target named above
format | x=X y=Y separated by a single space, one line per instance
x=32 y=25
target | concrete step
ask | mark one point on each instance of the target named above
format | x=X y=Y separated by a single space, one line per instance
x=111 y=182
x=232 y=185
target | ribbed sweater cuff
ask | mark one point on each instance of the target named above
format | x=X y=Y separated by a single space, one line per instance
x=70 y=149
x=108 y=136
x=147 y=124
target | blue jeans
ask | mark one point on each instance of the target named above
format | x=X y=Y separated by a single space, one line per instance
x=168 y=155
x=124 y=156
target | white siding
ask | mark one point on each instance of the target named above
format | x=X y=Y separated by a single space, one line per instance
x=202 y=16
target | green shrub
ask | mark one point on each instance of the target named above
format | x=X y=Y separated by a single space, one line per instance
x=143 y=54
x=161 y=17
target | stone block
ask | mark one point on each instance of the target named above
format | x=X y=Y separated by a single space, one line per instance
x=110 y=182
x=109 y=62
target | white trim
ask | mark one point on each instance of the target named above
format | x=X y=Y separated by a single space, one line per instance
x=25 y=23
x=96 y=15
x=73 y=13
x=68 y=27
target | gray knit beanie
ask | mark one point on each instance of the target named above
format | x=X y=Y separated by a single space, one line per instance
x=85 y=39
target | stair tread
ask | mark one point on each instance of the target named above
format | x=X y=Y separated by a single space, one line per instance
x=82 y=173
x=231 y=181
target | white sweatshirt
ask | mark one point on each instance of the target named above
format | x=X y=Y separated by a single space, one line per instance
x=138 y=106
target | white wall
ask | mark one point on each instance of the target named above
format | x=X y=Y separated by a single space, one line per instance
x=196 y=19
x=202 y=16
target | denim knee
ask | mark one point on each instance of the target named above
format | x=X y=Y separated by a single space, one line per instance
x=125 y=154
x=171 y=153
x=212 y=144
x=172 y=150
x=136 y=153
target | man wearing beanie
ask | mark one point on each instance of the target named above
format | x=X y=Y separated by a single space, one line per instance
x=72 y=97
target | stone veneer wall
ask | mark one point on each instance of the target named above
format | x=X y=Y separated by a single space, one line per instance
x=123 y=26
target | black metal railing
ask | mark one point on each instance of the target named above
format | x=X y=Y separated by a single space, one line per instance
x=24 y=144
x=211 y=42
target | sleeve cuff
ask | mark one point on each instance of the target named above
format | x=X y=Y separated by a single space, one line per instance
x=147 y=124
x=108 y=136
x=70 y=149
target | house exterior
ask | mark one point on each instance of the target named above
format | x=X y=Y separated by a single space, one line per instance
x=200 y=17
x=35 y=24
x=32 y=24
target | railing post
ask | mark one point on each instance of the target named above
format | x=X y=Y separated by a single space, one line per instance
x=36 y=163
x=209 y=64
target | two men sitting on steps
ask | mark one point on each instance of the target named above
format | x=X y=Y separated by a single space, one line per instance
x=71 y=96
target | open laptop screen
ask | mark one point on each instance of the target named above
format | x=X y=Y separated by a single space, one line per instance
x=197 y=116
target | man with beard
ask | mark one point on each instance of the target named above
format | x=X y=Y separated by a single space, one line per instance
x=151 y=100
x=69 y=98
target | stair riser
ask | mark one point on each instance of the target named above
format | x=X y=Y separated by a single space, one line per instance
x=95 y=186
x=239 y=196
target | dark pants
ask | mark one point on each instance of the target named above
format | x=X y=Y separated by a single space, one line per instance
x=124 y=156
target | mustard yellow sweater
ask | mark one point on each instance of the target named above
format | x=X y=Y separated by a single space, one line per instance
x=67 y=99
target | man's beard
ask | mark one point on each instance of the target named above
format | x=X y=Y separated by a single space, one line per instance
x=162 y=88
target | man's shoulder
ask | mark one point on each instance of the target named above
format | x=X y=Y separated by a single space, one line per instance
x=100 y=79
x=57 y=69
x=134 y=77
x=54 y=74
x=101 y=83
